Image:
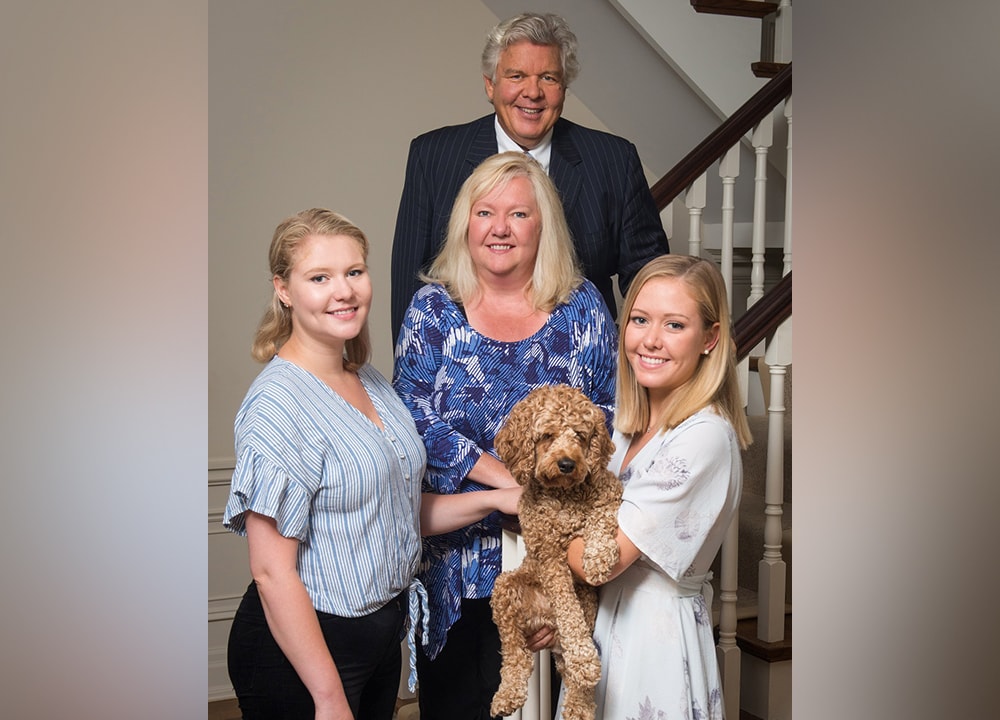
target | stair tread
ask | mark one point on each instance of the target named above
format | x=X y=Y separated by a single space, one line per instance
x=736 y=8
x=747 y=641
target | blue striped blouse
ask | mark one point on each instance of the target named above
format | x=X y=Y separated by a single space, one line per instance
x=460 y=387
x=349 y=492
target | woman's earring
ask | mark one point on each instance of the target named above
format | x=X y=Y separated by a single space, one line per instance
x=705 y=352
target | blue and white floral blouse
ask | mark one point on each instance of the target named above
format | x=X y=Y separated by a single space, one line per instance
x=460 y=386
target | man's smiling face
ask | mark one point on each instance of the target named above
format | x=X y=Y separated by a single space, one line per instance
x=528 y=94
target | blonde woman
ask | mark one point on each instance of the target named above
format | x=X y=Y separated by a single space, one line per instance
x=326 y=490
x=679 y=428
x=505 y=310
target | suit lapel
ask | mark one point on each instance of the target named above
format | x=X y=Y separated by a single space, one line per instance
x=564 y=167
x=484 y=143
x=564 y=163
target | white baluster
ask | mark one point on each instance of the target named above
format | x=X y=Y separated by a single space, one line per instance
x=694 y=200
x=729 y=170
x=511 y=550
x=771 y=568
x=762 y=137
x=544 y=665
x=727 y=651
x=511 y=555
x=539 y=686
x=667 y=218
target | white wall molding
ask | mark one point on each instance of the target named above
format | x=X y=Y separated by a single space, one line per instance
x=223 y=608
x=222 y=463
x=220 y=475
x=215 y=526
x=229 y=575
x=219 y=687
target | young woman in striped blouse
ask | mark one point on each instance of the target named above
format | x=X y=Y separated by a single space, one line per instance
x=327 y=491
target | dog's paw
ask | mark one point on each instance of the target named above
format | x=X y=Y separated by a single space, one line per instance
x=581 y=710
x=507 y=701
x=583 y=668
x=598 y=561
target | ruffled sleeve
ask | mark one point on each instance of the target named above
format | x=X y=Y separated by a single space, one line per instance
x=261 y=485
x=674 y=498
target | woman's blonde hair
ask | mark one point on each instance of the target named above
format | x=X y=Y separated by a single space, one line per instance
x=557 y=270
x=276 y=326
x=714 y=381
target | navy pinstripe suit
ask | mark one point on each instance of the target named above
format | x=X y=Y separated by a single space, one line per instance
x=611 y=215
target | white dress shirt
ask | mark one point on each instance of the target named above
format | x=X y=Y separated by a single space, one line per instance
x=540 y=152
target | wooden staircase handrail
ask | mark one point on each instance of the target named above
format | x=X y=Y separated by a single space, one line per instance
x=722 y=138
x=763 y=317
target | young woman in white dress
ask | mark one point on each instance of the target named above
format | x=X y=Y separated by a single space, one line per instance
x=679 y=429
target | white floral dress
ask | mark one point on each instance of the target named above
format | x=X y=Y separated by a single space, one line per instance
x=654 y=625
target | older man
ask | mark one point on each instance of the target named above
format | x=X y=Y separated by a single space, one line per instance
x=527 y=64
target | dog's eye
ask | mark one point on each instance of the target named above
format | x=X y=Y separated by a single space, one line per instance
x=581 y=437
x=546 y=436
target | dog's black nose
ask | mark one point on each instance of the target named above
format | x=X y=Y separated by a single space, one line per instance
x=566 y=465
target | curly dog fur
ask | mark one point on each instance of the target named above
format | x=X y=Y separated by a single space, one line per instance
x=555 y=443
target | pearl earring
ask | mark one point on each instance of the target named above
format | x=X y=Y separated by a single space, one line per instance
x=705 y=352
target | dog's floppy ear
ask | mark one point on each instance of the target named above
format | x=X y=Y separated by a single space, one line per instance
x=515 y=444
x=601 y=446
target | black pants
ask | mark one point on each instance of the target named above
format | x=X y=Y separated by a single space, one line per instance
x=460 y=682
x=366 y=651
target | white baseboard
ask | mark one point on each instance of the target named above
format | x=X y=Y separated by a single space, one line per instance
x=219 y=687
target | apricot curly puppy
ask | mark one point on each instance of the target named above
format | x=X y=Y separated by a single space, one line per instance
x=555 y=443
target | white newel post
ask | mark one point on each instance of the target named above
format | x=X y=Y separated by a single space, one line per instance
x=539 y=686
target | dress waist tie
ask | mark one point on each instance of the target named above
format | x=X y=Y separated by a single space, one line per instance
x=690 y=586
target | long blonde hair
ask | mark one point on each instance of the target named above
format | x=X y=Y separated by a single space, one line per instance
x=276 y=326
x=557 y=271
x=714 y=381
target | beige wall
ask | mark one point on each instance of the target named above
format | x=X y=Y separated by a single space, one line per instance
x=312 y=104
